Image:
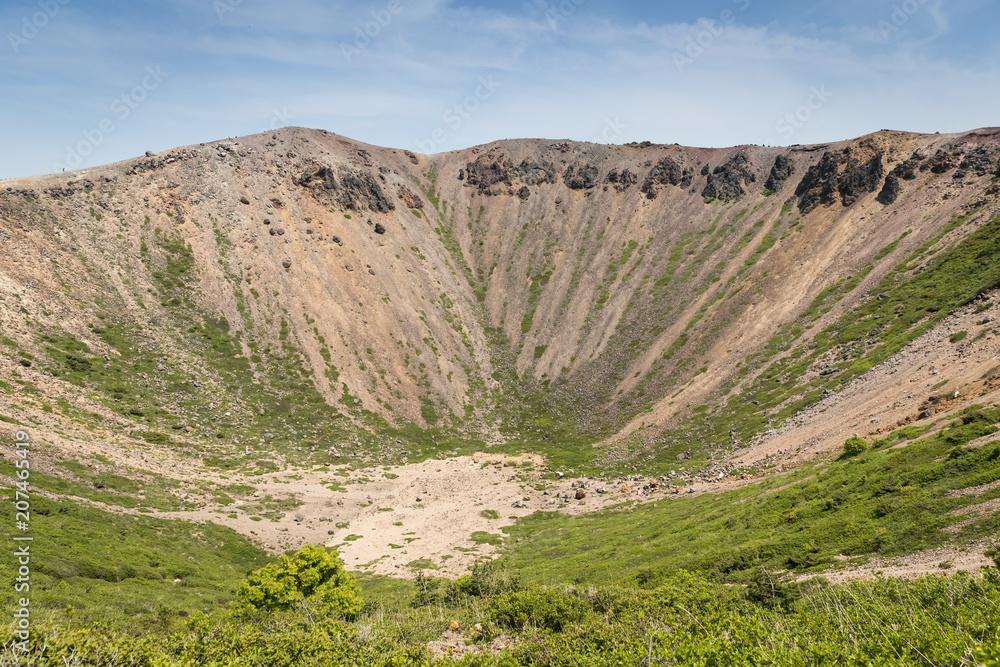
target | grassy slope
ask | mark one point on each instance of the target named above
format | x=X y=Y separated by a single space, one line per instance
x=111 y=567
x=884 y=502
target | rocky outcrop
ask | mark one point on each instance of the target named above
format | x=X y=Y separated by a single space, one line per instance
x=354 y=190
x=536 y=173
x=726 y=181
x=780 y=172
x=494 y=174
x=623 y=180
x=71 y=189
x=907 y=170
x=487 y=171
x=580 y=176
x=979 y=161
x=891 y=189
x=940 y=162
x=904 y=171
x=860 y=179
x=409 y=197
x=840 y=176
x=153 y=162
x=667 y=171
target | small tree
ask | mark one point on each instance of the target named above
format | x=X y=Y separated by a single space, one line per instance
x=313 y=579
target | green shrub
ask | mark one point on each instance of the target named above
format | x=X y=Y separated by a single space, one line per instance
x=768 y=590
x=313 y=574
x=536 y=606
x=854 y=446
x=684 y=592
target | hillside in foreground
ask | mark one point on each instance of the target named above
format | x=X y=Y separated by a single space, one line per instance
x=237 y=348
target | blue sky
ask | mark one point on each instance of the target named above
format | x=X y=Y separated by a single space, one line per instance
x=91 y=82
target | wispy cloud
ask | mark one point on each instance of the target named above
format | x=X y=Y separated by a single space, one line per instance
x=561 y=77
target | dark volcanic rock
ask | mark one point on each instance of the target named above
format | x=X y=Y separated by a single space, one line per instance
x=580 y=176
x=71 y=188
x=907 y=170
x=410 y=198
x=536 y=173
x=819 y=185
x=838 y=175
x=941 y=162
x=154 y=162
x=524 y=193
x=667 y=171
x=487 y=171
x=355 y=190
x=780 y=172
x=979 y=161
x=379 y=228
x=890 y=191
x=361 y=190
x=622 y=180
x=860 y=179
x=726 y=181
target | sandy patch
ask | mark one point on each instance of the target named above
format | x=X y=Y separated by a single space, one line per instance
x=947 y=559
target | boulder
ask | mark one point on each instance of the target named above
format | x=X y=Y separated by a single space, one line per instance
x=580 y=176
x=890 y=189
x=668 y=171
x=726 y=181
x=839 y=175
x=780 y=172
x=356 y=190
x=409 y=197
